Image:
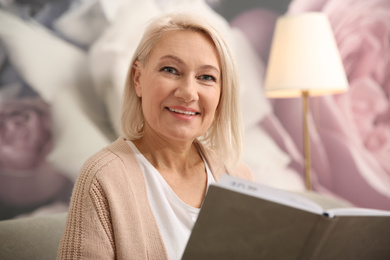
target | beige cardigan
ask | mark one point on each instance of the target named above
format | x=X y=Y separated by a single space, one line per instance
x=110 y=216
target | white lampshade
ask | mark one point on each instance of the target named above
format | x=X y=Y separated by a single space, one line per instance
x=304 y=57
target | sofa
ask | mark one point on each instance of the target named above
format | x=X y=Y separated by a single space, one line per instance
x=37 y=238
x=32 y=238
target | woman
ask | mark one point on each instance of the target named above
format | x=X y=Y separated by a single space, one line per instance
x=139 y=197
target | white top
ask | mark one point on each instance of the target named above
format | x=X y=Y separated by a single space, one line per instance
x=174 y=217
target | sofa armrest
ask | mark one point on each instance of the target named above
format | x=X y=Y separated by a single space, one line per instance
x=32 y=237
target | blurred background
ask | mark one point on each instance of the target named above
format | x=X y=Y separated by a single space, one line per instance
x=62 y=70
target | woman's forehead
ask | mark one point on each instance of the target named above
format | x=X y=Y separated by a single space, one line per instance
x=186 y=44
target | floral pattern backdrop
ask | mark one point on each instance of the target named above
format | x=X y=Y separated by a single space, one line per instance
x=350 y=133
x=62 y=67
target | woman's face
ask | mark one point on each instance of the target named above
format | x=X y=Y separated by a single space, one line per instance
x=180 y=86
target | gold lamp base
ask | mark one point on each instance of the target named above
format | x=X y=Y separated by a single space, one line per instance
x=306 y=139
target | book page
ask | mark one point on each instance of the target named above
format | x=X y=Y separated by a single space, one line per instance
x=268 y=193
x=356 y=212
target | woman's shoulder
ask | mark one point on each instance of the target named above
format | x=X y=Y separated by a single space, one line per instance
x=108 y=169
x=109 y=159
x=105 y=156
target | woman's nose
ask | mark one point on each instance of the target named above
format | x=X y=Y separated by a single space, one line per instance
x=187 y=90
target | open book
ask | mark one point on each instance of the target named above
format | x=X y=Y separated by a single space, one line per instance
x=241 y=219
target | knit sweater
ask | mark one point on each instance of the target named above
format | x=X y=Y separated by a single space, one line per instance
x=110 y=216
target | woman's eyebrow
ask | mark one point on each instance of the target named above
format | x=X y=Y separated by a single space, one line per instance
x=173 y=57
x=206 y=67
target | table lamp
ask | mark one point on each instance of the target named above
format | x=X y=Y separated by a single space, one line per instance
x=304 y=61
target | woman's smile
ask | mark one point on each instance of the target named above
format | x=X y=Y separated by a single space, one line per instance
x=183 y=112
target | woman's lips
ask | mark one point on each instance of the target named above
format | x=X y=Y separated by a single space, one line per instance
x=183 y=111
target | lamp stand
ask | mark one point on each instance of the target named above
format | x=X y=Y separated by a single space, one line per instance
x=306 y=139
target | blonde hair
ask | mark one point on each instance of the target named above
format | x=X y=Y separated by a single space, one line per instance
x=225 y=135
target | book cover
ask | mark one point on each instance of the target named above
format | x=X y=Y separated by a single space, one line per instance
x=240 y=219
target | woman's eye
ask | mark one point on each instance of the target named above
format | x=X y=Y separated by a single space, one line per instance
x=207 y=78
x=169 y=70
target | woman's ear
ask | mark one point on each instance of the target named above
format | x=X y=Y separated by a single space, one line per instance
x=137 y=78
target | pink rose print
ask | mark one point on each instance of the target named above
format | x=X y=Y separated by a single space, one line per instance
x=362 y=121
x=25 y=133
x=26 y=179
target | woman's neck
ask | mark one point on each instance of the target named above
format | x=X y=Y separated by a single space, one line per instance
x=179 y=163
x=168 y=154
